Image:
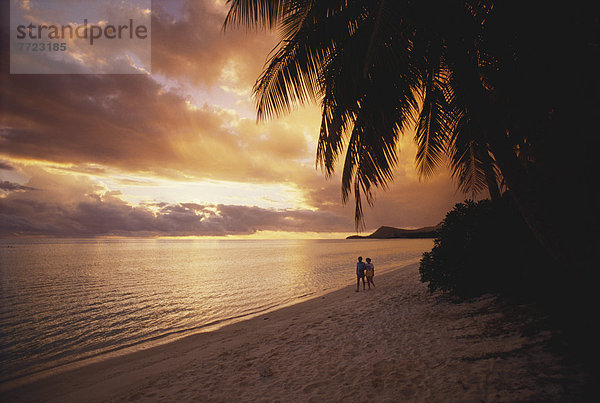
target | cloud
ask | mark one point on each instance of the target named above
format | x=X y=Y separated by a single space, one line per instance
x=78 y=207
x=6 y=166
x=188 y=123
x=94 y=53
x=12 y=187
x=191 y=45
x=141 y=124
x=133 y=124
x=106 y=216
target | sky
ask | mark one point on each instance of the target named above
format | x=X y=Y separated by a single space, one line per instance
x=178 y=151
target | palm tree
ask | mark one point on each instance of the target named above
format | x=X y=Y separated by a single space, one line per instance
x=373 y=82
x=455 y=70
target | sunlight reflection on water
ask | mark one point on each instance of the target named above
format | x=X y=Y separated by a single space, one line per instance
x=63 y=300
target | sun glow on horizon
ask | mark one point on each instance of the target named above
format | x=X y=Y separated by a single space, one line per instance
x=269 y=235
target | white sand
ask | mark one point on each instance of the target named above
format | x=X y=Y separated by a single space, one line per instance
x=392 y=343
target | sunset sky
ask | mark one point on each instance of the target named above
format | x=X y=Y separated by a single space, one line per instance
x=178 y=152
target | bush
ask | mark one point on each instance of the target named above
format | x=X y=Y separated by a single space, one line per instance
x=482 y=247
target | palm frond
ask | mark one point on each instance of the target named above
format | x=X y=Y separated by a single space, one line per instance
x=377 y=68
x=470 y=161
x=372 y=152
x=254 y=13
x=294 y=73
x=291 y=78
x=437 y=117
x=337 y=119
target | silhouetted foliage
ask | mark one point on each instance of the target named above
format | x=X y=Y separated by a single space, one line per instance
x=482 y=247
x=506 y=91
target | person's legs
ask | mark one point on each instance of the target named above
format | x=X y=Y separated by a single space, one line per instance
x=357 y=283
x=363 y=277
x=369 y=282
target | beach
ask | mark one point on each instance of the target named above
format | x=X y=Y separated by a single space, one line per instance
x=396 y=342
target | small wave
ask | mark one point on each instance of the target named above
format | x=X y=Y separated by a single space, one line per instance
x=166 y=335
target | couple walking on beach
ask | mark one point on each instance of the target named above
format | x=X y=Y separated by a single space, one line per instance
x=364 y=270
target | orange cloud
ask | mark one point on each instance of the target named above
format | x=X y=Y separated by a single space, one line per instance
x=133 y=124
x=171 y=125
x=66 y=205
x=193 y=46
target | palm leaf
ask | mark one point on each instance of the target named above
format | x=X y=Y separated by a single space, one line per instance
x=378 y=68
x=470 y=160
x=255 y=13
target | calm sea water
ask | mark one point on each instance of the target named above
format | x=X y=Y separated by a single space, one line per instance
x=66 y=300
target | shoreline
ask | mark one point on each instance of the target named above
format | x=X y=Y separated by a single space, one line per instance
x=393 y=342
x=169 y=337
x=120 y=351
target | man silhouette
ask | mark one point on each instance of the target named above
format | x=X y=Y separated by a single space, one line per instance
x=360 y=273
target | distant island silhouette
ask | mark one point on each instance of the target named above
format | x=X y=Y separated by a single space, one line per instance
x=384 y=232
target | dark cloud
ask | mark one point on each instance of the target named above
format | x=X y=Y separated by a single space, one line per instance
x=6 y=166
x=93 y=214
x=132 y=122
x=14 y=187
x=135 y=125
x=101 y=218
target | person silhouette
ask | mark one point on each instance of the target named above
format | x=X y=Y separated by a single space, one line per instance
x=370 y=272
x=360 y=273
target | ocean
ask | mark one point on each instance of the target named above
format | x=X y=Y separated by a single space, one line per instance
x=63 y=301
